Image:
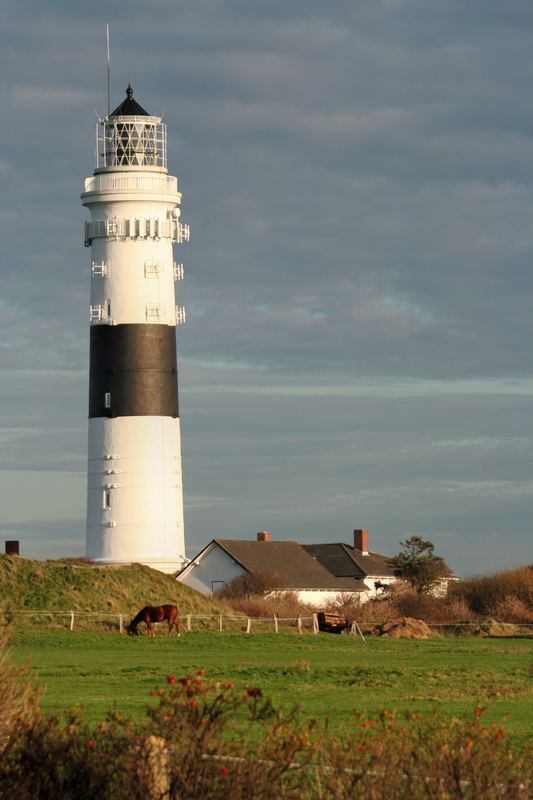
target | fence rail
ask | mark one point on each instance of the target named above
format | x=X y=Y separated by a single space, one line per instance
x=222 y=622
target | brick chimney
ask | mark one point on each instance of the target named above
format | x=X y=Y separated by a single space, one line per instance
x=360 y=540
x=264 y=536
x=12 y=547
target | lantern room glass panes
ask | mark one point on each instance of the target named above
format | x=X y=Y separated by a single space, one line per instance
x=132 y=141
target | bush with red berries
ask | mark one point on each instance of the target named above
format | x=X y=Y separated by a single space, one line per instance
x=210 y=740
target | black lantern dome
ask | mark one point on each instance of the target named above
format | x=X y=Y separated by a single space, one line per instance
x=129 y=107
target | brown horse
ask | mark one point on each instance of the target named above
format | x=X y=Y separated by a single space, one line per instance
x=150 y=614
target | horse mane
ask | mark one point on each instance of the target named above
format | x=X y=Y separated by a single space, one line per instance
x=138 y=617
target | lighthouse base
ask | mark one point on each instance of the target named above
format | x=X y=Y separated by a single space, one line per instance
x=169 y=567
x=134 y=492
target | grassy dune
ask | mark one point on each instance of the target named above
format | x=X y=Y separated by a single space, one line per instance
x=62 y=586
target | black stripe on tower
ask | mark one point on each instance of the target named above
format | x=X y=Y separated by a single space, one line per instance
x=133 y=371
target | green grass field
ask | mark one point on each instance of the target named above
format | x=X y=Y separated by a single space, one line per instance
x=326 y=675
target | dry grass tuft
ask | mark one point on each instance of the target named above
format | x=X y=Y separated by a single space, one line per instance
x=18 y=698
x=282 y=604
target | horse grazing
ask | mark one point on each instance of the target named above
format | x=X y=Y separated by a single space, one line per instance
x=150 y=614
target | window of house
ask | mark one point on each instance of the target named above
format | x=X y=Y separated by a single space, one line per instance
x=106 y=500
x=107 y=400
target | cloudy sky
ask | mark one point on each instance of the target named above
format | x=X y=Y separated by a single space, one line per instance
x=358 y=178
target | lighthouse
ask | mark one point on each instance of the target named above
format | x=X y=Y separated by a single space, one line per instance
x=134 y=485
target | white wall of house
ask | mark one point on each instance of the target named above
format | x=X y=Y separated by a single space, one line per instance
x=318 y=598
x=370 y=582
x=321 y=598
x=214 y=570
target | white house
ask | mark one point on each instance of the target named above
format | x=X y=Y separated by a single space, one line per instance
x=297 y=570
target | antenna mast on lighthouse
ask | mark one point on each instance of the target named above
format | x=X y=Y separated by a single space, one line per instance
x=134 y=491
x=108 y=72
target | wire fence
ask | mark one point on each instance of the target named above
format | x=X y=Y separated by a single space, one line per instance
x=190 y=622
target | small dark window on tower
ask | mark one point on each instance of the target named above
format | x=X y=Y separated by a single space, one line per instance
x=109 y=309
x=107 y=400
x=106 y=500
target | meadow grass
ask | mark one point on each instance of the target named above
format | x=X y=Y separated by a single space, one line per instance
x=328 y=676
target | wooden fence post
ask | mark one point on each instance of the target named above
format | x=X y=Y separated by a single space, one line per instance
x=153 y=767
x=249 y=625
x=315 y=624
x=275 y=624
x=357 y=629
x=220 y=623
x=189 y=622
x=299 y=624
x=121 y=623
x=72 y=620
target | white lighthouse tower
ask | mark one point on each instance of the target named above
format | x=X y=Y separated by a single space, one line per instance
x=134 y=493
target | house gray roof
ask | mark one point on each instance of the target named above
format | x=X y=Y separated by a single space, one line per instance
x=298 y=568
x=345 y=561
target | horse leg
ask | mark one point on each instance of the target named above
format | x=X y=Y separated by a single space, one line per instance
x=150 y=629
x=170 y=623
x=173 y=621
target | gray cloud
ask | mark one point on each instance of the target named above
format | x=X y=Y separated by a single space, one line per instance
x=358 y=182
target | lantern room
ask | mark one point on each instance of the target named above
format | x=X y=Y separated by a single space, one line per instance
x=130 y=137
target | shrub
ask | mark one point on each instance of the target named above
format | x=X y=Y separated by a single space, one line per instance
x=369 y=612
x=402 y=601
x=73 y=762
x=424 y=757
x=250 y=584
x=261 y=594
x=282 y=604
x=206 y=739
x=511 y=609
x=485 y=595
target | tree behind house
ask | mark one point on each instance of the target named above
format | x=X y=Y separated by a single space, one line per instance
x=417 y=565
x=250 y=584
